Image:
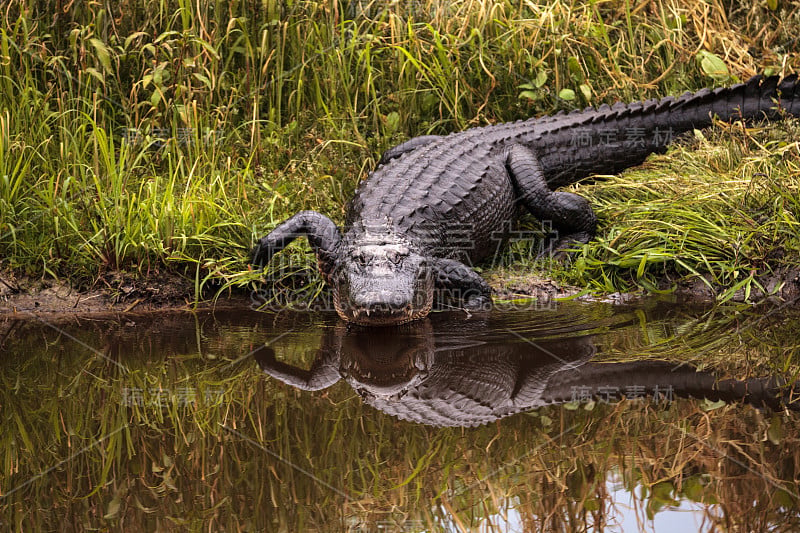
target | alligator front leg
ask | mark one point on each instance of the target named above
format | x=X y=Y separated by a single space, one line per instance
x=323 y=373
x=461 y=286
x=322 y=233
x=570 y=214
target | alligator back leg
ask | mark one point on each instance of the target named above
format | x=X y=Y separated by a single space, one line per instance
x=570 y=214
x=408 y=146
x=322 y=234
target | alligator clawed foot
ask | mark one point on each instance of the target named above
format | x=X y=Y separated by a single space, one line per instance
x=478 y=303
x=564 y=249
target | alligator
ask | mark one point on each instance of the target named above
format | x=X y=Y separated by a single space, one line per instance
x=461 y=379
x=436 y=204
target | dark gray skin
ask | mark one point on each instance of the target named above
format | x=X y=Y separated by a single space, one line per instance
x=408 y=374
x=435 y=205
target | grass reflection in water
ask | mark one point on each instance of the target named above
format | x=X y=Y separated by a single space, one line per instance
x=175 y=425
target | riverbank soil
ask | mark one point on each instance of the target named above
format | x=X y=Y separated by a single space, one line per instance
x=124 y=292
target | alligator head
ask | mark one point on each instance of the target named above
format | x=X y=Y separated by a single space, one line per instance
x=382 y=280
x=386 y=365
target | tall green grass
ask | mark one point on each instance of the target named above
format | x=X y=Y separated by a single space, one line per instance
x=723 y=209
x=160 y=134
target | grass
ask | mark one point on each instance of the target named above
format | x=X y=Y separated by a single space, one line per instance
x=722 y=208
x=170 y=135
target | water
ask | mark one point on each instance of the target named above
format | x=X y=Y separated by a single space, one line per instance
x=582 y=417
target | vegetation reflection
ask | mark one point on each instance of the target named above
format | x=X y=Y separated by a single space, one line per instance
x=166 y=420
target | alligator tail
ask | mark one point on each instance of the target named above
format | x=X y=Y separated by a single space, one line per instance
x=609 y=139
x=757 y=98
x=663 y=380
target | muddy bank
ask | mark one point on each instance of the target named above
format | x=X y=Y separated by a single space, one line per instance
x=121 y=292
x=783 y=286
x=113 y=292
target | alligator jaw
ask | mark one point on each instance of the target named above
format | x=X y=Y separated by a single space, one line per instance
x=382 y=316
x=374 y=317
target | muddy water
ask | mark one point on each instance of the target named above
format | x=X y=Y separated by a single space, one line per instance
x=575 y=417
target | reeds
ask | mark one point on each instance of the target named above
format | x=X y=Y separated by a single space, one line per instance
x=170 y=134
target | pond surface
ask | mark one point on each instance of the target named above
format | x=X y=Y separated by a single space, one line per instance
x=578 y=417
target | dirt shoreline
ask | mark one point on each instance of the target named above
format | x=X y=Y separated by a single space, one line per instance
x=122 y=293
x=112 y=293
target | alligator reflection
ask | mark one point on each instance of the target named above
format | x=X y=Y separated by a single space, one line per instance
x=456 y=373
